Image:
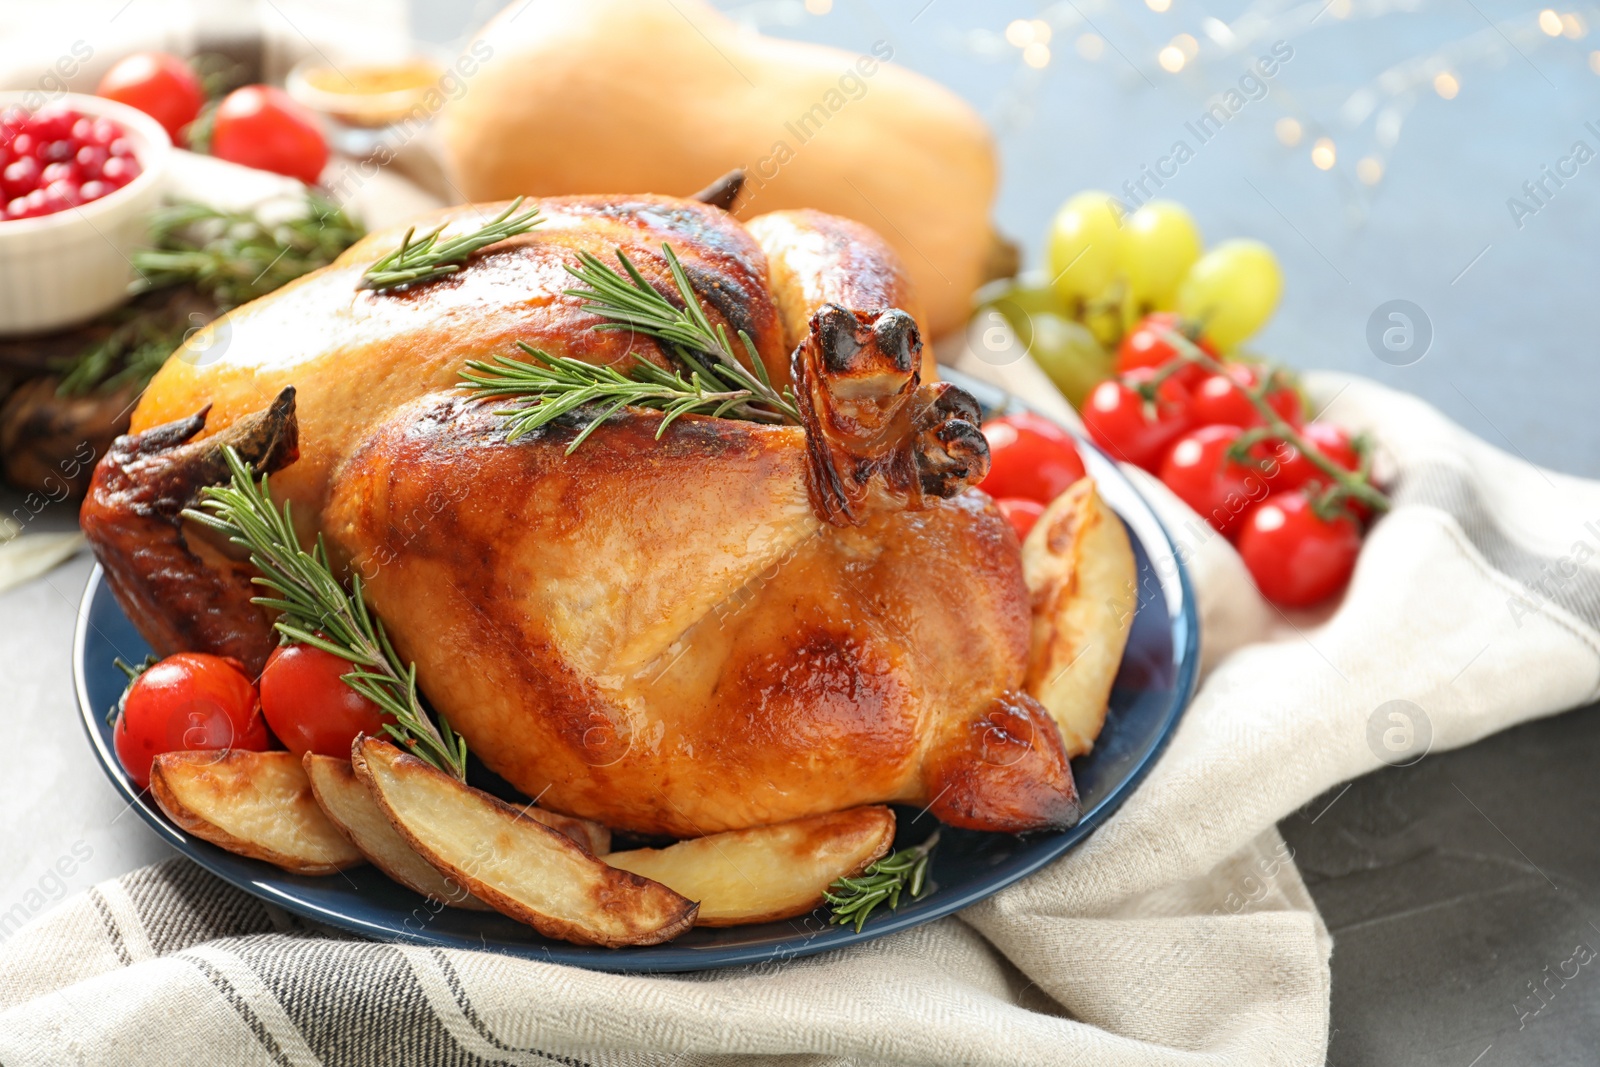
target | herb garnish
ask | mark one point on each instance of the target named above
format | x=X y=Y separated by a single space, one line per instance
x=234 y=257
x=316 y=610
x=425 y=259
x=718 y=384
x=851 y=900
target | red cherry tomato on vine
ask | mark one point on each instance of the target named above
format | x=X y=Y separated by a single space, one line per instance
x=308 y=704
x=1198 y=471
x=1021 y=514
x=162 y=86
x=1296 y=557
x=1119 y=421
x=1029 y=457
x=1145 y=346
x=1221 y=399
x=1295 y=470
x=187 y=701
x=260 y=126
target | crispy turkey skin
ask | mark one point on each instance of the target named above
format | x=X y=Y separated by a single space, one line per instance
x=734 y=624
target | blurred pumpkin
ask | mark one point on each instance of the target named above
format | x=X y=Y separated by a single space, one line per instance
x=634 y=96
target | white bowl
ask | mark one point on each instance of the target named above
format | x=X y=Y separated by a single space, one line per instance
x=61 y=269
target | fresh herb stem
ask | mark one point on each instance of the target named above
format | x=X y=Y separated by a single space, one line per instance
x=852 y=900
x=234 y=257
x=718 y=384
x=1356 y=485
x=627 y=302
x=426 y=259
x=315 y=609
x=133 y=673
x=557 y=385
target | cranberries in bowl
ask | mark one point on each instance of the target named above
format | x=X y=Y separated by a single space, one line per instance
x=79 y=177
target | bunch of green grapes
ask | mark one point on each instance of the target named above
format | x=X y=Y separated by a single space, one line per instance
x=1106 y=270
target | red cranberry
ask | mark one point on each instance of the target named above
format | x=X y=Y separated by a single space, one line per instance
x=90 y=158
x=120 y=170
x=53 y=124
x=20 y=178
x=58 y=172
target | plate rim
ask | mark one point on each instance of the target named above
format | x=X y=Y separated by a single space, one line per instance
x=1183 y=623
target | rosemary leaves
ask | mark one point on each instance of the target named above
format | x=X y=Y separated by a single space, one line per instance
x=852 y=900
x=426 y=258
x=718 y=384
x=317 y=610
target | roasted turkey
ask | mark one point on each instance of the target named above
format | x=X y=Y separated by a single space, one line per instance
x=731 y=625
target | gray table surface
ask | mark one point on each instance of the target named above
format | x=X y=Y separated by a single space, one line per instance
x=1440 y=922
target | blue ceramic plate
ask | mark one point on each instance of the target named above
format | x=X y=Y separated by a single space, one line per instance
x=1157 y=677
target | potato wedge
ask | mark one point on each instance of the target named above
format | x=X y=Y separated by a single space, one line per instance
x=255 y=804
x=1080 y=572
x=769 y=872
x=348 y=805
x=514 y=863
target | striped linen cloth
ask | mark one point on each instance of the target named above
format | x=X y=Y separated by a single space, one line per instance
x=1178 y=934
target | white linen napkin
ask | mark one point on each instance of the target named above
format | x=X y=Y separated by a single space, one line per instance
x=1179 y=933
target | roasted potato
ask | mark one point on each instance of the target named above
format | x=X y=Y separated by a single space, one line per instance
x=514 y=862
x=348 y=805
x=255 y=804
x=1080 y=573
x=769 y=872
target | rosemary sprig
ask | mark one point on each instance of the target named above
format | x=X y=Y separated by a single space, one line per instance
x=851 y=900
x=717 y=384
x=316 y=610
x=233 y=257
x=129 y=355
x=424 y=259
x=557 y=385
x=631 y=303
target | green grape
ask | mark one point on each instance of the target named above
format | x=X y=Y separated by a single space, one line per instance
x=1016 y=299
x=1160 y=242
x=1082 y=246
x=1232 y=291
x=1069 y=355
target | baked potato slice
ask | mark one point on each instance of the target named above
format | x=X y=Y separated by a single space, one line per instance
x=768 y=872
x=255 y=804
x=513 y=862
x=348 y=805
x=1080 y=572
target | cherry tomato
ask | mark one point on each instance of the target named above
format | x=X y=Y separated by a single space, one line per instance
x=309 y=706
x=1021 y=514
x=162 y=86
x=1220 y=399
x=260 y=126
x=1119 y=421
x=187 y=701
x=1029 y=457
x=1295 y=470
x=1145 y=346
x=1198 y=471
x=1297 y=558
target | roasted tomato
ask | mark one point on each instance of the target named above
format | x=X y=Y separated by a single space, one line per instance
x=188 y=701
x=1029 y=457
x=1021 y=514
x=309 y=705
